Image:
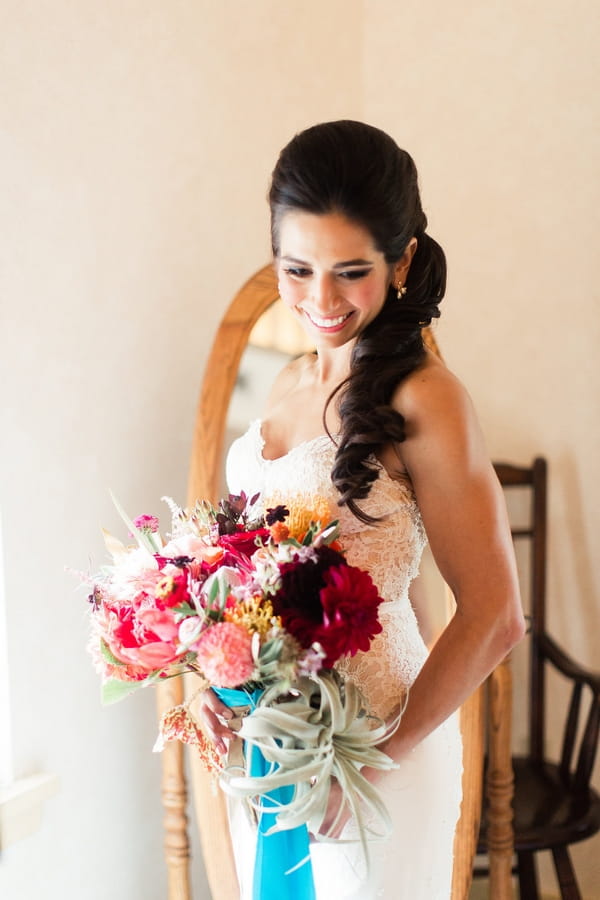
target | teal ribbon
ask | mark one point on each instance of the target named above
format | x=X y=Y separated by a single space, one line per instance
x=282 y=867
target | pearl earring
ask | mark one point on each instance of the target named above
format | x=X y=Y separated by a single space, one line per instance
x=401 y=290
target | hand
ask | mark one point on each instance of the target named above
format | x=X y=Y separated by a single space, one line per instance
x=336 y=799
x=215 y=715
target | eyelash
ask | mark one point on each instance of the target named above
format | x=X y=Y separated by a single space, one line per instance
x=351 y=275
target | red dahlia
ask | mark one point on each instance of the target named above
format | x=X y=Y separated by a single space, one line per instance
x=329 y=602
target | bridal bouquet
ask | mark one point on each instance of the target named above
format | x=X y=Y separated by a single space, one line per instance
x=260 y=604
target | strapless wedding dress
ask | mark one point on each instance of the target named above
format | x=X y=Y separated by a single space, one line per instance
x=423 y=794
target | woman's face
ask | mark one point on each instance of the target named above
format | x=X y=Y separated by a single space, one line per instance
x=331 y=275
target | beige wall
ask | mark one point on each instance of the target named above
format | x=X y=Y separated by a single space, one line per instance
x=137 y=141
x=498 y=103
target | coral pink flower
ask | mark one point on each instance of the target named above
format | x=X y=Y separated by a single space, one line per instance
x=160 y=622
x=224 y=654
x=140 y=636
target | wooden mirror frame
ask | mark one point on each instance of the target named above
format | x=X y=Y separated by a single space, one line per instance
x=250 y=302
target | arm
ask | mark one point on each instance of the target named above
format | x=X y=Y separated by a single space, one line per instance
x=463 y=511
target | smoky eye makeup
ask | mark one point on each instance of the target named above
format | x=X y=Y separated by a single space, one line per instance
x=354 y=274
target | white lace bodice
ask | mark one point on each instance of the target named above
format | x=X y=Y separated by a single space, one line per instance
x=390 y=551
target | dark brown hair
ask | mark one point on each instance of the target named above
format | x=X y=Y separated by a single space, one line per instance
x=359 y=171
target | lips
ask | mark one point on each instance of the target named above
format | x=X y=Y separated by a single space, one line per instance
x=332 y=323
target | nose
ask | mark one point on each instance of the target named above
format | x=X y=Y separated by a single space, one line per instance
x=324 y=295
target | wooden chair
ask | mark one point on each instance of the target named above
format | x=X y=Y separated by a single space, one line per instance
x=250 y=302
x=554 y=803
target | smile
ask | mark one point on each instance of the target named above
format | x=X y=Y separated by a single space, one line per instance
x=333 y=322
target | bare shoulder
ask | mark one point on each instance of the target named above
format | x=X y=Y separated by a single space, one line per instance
x=431 y=390
x=442 y=429
x=289 y=378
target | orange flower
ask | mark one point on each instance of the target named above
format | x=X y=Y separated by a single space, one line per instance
x=302 y=511
x=279 y=532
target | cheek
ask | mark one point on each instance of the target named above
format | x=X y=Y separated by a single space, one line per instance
x=290 y=292
x=371 y=298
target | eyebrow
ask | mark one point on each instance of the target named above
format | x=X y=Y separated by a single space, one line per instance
x=341 y=265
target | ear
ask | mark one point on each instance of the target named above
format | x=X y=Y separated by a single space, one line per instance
x=403 y=265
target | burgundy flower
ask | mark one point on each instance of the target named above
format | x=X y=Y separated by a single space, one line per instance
x=350 y=604
x=330 y=602
x=276 y=514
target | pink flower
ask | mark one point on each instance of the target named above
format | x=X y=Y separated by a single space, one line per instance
x=193 y=546
x=146 y=523
x=172 y=589
x=139 y=634
x=159 y=622
x=224 y=653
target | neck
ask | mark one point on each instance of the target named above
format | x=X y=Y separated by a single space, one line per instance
x=333 y=366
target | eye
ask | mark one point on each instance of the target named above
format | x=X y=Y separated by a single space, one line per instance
x=297 y=271
x=354 y=274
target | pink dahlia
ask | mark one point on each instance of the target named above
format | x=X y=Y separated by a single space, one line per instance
x=224 y=653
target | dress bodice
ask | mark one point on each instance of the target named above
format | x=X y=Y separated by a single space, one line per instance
x=389 y=550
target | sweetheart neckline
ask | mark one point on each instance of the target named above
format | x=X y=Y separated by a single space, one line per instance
x=405 y=485
x=258 y=423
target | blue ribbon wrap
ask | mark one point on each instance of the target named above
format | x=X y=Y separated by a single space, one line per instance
x=282 y=867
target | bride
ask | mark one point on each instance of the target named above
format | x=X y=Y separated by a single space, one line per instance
x=378 y=427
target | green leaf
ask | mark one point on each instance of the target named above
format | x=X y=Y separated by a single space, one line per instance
x=143 y=540
x=108 y=655
x=183 y=611
x=114 y=690
x=214 y=591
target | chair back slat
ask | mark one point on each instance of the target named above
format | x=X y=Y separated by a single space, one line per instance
x=570 y=732
x=533 y=477
x=589 y=744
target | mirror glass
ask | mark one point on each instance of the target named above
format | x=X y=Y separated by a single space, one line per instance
x=276 y=338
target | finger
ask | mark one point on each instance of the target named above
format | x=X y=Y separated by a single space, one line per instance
x=209 y=698
x=215 y=727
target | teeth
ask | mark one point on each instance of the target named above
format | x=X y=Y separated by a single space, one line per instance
x=328 y=323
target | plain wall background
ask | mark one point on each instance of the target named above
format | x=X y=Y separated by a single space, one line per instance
x=137 y=143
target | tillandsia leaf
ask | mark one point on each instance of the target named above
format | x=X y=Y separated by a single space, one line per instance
x=143 y=539
x=270 y=651
x=318 y=731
